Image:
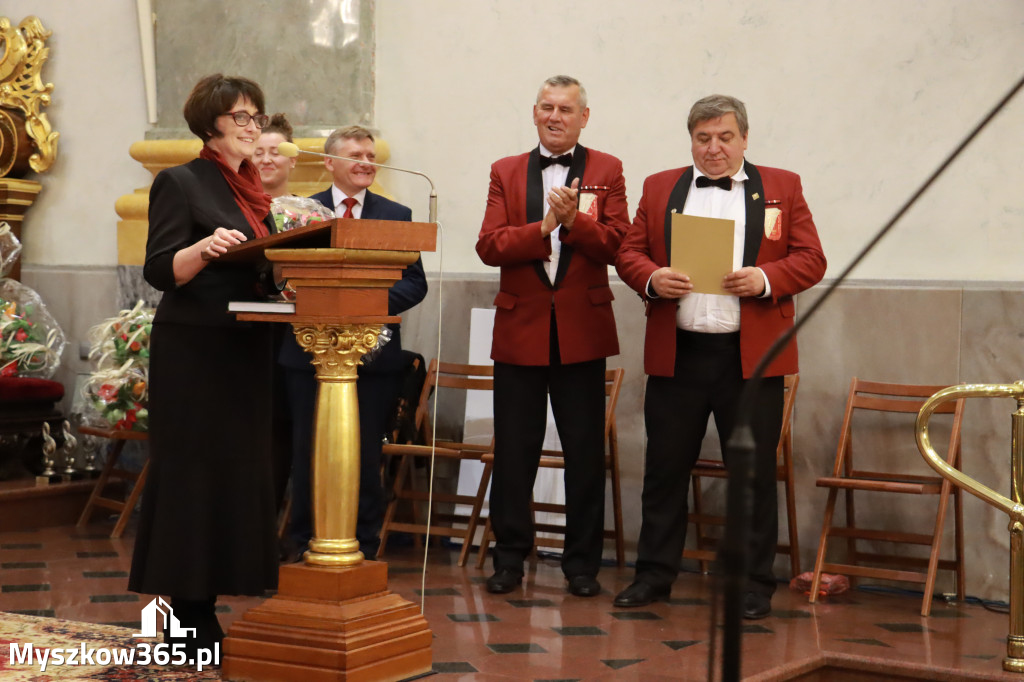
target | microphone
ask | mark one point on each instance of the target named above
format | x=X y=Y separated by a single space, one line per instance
x=291 y=150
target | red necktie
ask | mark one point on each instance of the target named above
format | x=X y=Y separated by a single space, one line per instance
x=349 y=203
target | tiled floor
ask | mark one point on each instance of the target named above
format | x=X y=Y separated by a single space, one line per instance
x=542 y=633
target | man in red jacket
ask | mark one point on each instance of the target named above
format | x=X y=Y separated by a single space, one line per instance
x=555 y=217
x=701 y=348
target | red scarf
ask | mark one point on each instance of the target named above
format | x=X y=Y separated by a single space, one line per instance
x=247 y=188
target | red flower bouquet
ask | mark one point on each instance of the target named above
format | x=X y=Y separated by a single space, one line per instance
x=116 y=393
x=31 y=341
x=290 y=212
x=119 y=400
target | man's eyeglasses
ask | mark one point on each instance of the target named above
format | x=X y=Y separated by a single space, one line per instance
x=242 y=118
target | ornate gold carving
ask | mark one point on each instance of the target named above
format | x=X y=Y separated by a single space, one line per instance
x=22 y=88
x=337 y=350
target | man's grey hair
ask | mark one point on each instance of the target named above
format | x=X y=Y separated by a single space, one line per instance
x=564 y=82
x=716 y=106
x=353 y=132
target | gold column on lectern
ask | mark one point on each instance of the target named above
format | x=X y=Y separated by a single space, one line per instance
x=337 y=351
x=1013 y=506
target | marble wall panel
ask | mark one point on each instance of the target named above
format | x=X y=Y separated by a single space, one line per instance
x=992 y=341
x=132 y=287
x=279 y=45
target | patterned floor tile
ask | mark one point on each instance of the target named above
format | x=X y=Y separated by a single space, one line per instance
x=542 y=633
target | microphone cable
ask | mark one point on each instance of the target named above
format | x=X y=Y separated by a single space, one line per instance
x=433 y=419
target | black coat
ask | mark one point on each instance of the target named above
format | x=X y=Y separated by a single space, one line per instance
x=207 y=525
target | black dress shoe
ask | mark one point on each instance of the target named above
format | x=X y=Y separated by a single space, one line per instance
x=641 y=594
x=756 y=606
x=504 y=581
x=584 y=586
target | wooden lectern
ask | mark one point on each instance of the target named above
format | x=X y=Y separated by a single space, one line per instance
x=333 y=617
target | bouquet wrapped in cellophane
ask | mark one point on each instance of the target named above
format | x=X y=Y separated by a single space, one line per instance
x=290 y=212
x=116 y=393
x=31 y=341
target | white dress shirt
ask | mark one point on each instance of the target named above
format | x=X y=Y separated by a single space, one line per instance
x=553 y=176
x=339 y=198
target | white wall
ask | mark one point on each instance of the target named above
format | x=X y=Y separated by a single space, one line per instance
x=99 y=109
x=863 y=98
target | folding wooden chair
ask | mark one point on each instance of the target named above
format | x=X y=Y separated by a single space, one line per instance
x=715 y=468
x=440 y=375
x=891 y=473
x=554 y=459
x=111 y=473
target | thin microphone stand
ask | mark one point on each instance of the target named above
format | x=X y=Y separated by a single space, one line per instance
x=733 y=552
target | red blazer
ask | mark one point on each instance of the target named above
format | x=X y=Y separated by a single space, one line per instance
x=791 y=258
x=581 y=298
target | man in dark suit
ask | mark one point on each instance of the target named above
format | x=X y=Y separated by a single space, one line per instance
x=379 y=376
x=555 y=217
x=700 y=349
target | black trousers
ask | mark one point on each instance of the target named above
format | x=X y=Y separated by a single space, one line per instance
x=708 y=380
x=520 y=418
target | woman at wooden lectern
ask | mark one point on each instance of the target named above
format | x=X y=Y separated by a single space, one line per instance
x=207 y=525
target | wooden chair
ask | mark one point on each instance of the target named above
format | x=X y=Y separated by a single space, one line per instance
x=715 y=468
x=440 y=375
x=892 y=474
x=110 y=474
x=554 y=459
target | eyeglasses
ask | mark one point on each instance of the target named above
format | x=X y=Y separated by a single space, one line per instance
x=242 y=118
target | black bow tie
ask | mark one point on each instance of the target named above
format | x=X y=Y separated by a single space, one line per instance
x=721 y=183
x=564 y=159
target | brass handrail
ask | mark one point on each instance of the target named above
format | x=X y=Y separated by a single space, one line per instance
x=1012 y=506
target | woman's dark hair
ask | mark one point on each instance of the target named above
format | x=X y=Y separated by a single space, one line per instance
x=279 y=124
x=215 y=95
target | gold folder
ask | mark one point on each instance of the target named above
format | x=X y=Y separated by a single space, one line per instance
x=702 y=248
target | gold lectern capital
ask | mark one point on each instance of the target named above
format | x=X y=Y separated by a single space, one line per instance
x=337 y=350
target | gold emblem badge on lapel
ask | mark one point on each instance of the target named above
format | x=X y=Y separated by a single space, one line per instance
x=772 y=223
